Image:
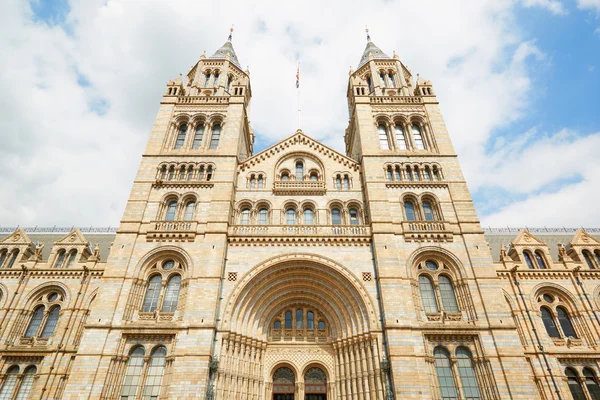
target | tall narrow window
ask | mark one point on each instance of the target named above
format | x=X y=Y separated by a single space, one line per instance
x=285 y=176
x=299 y=171
x=72 y=258
x=436 y=174
x=60 y=259
x=409 y=210
x=228 y=83
x=549 y=323
x=565 y=322
x=338 y=182
x=417 y=137
x=261 y=182
x=417 y=174
x=190 y=207
x=51 y=322
x=444 y=374
x=321 y=325
x=310 y=320
x=288 y=320
x=171 y=211
x=290 y=216
x=308 y=216
x=409 y=175
x=171 y=173
x=336 y=216
x=26 y=383
x=353 y=216
x=216 y=80
x=427 y=294
x=346 y=182
x=466 y=372
x=574 y=385
x=12 y=259
x=3 y=257
x=382 y=78
x=207 y=80
x=392 y=83
x=209 y=173
x=182 y=173
x=154 y=376
x=10 y=381
x=398 y=174
x=263 y=216
x=36 y=321
x=172 y=294
x=428 y=211
x=216 y=136
x=426 y=174
x=190 y=174
x=252 y=182
x=198 y=136
x=152 y=294
x=591 y=383
x=245 y=216
x=539 y=258
x=528 y=260
x=181 y=136
x=314 y=176
x=299 y=319
x=201 y=173
x=370 y=84
x=383 y=139
x=389 y=173
x=588 y=259
x=447 y=294
x=133 y=374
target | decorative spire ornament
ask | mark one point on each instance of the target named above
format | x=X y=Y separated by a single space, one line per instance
x=368 y=36
x=230 y=37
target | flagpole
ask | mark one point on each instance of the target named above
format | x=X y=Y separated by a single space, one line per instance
x=298 y=91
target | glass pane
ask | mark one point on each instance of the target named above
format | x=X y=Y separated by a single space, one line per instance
x=346 y=183
x=181 y=136
x=418 y=138
x=10 y=381
x=321 y=325
x=444 y=374
x=431 y=265
x=216 y=136
x=51 y=322
x=59 y=260
x=152 y=294
x=299 y=319
x=277 y=325
x=261 y=182
x=154 y=376
x=310 y=320
x=288 y=320
x=190 y=174
x=189 y=211
x=409 y=209
x=72 y=257
x=591 y=384
x=409 y=174
x=245 y=216
x=133 y=374
x=299 y=171
x=13 y=259
x=467 y=374
x=26 y=383
x=398 y=174
x=308 y=216
x=574 y=385
x=427 y=294
x=36 y=321
x=171 y=173
x=447 y=294
x=338 y=182
x=540 y=260
x=290 y=216
x=428 y=211
x=383 y=140
x=426 y=174
x=391 y=79
x=172 y=294
x=353 y=216
x=565 y=322
x=336 y=217
x=549 y=323
x=389 y=174
x=198 y=136
x=263 y=216
x=171 y=211
x=596 y=254
x=528 y=260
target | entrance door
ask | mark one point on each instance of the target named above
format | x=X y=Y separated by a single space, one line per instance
x=316 y=397
x=281 y=396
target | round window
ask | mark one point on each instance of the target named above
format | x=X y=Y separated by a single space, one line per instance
x=431 y=265
x=548 y=298
x=52 y=296
x=169 y=264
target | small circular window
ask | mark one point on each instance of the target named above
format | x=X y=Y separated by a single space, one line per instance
x=548 y=298
x=169 y=264
x=52 y=296
x=431 y=265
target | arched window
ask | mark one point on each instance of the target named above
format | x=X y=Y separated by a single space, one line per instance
x=539 y=258
x=417 y=174
x=338 y=182
x=60 y=259
x=409 y=175
x=400 y=139
x=190 y=208
x=261 y=182
x=26 y=383
x=565 y=322
x=409 y=210
x=182 y=173
x=216 y=80
x=299 y=319
x=171 y=211
x=277 y=325
x=207 y=80
x=444 y=374
x=12 y=259
x=370 y=84
x=353 y=216
x=245 y=216
x=152 y=294
x=290 y=216
x=397 y=174
x=172 y=294
x=288 y=320
x=591 y=383
x=133 y=374
x=391 y=80
x=10 y=382
x=263 y=216
x=447 y=294
x=346 y=182
x=427 y=294
x=466 y=372
x=389 y=173
x=198 y=136
x=383 y=138
x=549 y=323
x=417 y=137
x=209 y=172
x=336 y=216
x=310 y=320
x=436 y=174
x=201 y=173
x=190 y=174
x=216 y=136
x=154 y=376
x=51 y=322
x=426 y=174
x=321 y=325
x=574 y=385
x=181 y=136
x=285 y=176
x=72 y=257
x=314 y=176
x=528 y=260
x=428 y=211
x=308 y=216
x=36 y=321
x=382 y=78
x=299 y=171
x=588 y=259
x=252 y=182
x=228 y=84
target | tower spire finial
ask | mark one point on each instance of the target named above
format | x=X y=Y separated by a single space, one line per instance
x=368 y=36
x=230 y=33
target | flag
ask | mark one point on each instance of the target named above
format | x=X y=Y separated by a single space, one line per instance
x=298 y=77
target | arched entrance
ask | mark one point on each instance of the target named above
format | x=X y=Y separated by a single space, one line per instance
x=315 y=384
x=284 y=384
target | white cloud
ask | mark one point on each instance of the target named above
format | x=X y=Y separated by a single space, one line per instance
x=589 y=4
x=554 y=6
x=70 y=152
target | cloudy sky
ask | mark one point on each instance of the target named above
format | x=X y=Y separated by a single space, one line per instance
x=518 y=82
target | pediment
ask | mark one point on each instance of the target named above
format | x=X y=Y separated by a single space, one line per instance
x=18 y=237
x=582 y=238
x=300 y=142
x=73 y=238
x=525 y=238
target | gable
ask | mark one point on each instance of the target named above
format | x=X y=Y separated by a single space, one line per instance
x=524 y=238
x=18 y=237
x=582 y=238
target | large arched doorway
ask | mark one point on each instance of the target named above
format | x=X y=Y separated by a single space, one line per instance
x=284 y=384
x=315 y=384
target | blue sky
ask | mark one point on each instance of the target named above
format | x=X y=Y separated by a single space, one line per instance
x=518 y=83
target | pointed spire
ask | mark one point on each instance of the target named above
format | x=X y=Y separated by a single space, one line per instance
x=371 y=49
x=227 y=48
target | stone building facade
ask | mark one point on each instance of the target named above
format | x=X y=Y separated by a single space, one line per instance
x=299 y=272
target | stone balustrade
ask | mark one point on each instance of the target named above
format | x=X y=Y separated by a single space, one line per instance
x=299 y=187
x=427 y=231
x=396 y=100
x=299 y=230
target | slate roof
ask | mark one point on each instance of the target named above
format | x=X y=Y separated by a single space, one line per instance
x=373 y=49
x=221 y=54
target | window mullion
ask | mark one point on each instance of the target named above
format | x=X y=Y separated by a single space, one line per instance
x=391 y=132
x=557 y=323
x=161 y=297
x=410 y=144
x=18 y=383
x=456 y=372
x=140 y=391
x=438 y=295
x=208 y=132
x=42 y=322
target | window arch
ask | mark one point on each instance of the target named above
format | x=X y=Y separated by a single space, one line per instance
x=172 y=294
x=574 y=385
x=155 y=373
x=428 y=294
x=133 y=373
x=528 y=260
x=447 y=294
x=466 y=372
x=591 y=383
x=26 y=383
x=10 y=382
x=549 y=323
x=60 y=259
x=299 y=171
x=190 y=209
x=35 y=322
x=336 y=216
x=198 y=136
x=263 y=216
x=290 y=216
x=152 y=293
x=445 y=375
x=72 y=258
x=409 y=210
x=383 y=137
x=181 y=133
x=171 y=211
x=588 y=259
x=216 y=135
x=539 y=258
x=417 y=136
x=245 y=216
